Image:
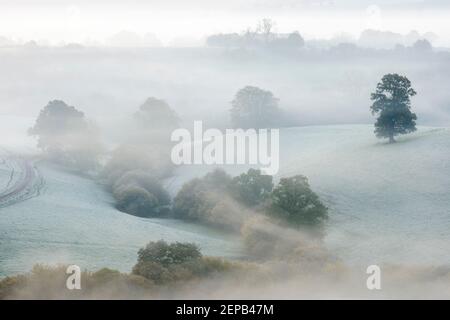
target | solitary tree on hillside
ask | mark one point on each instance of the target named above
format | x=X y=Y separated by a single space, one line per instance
x=253 y=107
x=391 y=101
x=66 y=136
x=57 y=120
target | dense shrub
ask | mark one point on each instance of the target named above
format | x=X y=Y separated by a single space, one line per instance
x=49 y=282
x=168 y=254
x=136 y=168
x=164 y=263
x=161 y=266
x=197 y=199
x=265 y=240
x=140 y=194
x=128 y=158
x=136 y=200
x=219 y=199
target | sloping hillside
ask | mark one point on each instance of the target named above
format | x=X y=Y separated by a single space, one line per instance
x=388 y=203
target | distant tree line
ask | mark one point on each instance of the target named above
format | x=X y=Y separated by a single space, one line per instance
x=263 y=36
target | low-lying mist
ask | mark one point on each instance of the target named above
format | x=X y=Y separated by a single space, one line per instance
x=314 y=87
x=124 y=103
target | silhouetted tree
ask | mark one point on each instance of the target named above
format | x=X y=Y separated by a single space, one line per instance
x=295 y=40
x=66 y=135
x=393 y=106
x=265 y=27
x=253 y=107
x=156 y=114
x=422 y=46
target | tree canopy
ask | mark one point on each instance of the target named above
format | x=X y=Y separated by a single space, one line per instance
x=251 y=188
x=66 y=135
x=156 y=114
x=217 y=199
x=163 y=262
x=141 y=194
x=295 y=202
x=197 y=198
x=56 y=121
x=392 y=104
x=253 y=107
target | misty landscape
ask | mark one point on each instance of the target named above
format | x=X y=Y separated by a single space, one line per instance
x=90 y=128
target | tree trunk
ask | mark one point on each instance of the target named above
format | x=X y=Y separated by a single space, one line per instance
x=391 y=139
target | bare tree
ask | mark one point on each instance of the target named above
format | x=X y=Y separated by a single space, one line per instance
x=266 y=26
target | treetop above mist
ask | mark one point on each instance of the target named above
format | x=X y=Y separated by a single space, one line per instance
x=156 y=114
x=253 y=107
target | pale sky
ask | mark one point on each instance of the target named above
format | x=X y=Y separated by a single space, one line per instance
x=180 y=20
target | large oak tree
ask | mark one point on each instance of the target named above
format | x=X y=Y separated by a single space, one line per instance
x=392 y=104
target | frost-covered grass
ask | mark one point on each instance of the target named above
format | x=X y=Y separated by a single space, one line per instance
x=74 y=221
x=13 y=140
x=388 y=203
x=8 y=170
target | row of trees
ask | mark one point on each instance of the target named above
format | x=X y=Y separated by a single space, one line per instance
x=68 y=137
x=134 y=171
x=263 y=36
x=219 y=199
